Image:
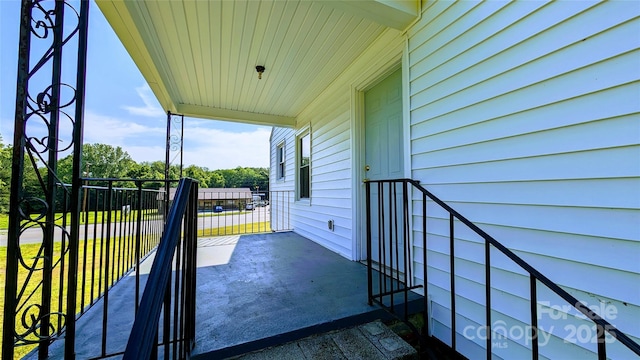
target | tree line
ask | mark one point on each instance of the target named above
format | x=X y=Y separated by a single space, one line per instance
x=106 y=161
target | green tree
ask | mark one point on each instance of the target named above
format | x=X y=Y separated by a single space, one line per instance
x=216 y=180
x=152 y=171
x=253 y=178
x=198 y=173
x=5 y=175
x=98 y=161
x=106 y=161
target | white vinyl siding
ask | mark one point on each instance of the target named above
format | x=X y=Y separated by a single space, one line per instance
x=525 y=118
x=330 y=176
x=330 y=169
x=330 y=118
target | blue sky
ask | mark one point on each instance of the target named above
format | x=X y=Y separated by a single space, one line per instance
x=121 y=110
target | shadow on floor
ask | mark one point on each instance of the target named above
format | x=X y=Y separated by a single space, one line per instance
x=276 y=288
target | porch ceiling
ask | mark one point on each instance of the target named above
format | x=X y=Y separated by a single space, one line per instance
x=199 y=57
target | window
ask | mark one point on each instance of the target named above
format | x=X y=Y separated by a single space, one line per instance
x=304 y=156
x=280 y=158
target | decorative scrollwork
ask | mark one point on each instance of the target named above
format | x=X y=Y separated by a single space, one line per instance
x=44 y=23
x=175 y=142
x=42 y=20
x=176 y=137
x=33 y=209
x=38 y=120
x=46 y=27
x=44 y=103
x=30 y=321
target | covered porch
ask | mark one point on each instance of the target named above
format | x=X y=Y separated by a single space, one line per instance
x=253 y=291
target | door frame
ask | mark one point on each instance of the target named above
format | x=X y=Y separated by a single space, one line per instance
x=394 y=60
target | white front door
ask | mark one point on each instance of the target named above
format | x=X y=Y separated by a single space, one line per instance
x=384 y=150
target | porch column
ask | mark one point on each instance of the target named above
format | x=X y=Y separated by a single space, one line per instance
x=35 y=312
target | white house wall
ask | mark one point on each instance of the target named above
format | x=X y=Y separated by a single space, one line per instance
x=330 y=119
x=524 y=118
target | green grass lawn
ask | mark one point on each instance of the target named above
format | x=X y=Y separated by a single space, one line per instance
x=91 y=291
x=92 y=217
x=256 y=227
x=4 y=221
x=59 y=276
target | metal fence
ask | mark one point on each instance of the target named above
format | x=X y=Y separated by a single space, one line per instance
x=119 y=226
x=392 y=274
x=165 y=320
x=232 y=212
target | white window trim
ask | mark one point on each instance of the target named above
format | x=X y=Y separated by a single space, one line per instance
x=299 y=134
x=281 y=149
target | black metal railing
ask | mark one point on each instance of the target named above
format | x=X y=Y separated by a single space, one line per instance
x=235 y=211
x=50 y=91
x=391 y=271
x=279 y=209
x=118 y=226
x=168 y=302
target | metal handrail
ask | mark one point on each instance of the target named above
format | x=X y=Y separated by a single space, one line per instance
x=602 y=324
x=157 y=292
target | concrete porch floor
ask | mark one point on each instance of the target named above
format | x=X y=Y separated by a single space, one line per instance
x=253 y=292
x=268 y=289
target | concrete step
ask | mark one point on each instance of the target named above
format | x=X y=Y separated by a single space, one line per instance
x=370 y=341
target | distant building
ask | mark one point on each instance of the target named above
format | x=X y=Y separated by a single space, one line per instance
x=208 y=198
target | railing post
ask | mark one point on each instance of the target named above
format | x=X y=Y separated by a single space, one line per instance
x=192 y=258
x=15 y=197
x=487 y=262
x=382 y=278
x=107 y=261
x=534 y=317
x=367 y=187
x=602 y=345
x=452 y=262
x=406 y=245
x=137 y=241
x=425 y=298
x=393 y=218
x=83 y=29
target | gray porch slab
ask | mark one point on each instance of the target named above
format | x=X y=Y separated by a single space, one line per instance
x=253 y=292
x=275 y=288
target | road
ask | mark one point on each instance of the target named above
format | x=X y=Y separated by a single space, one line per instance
x=206 y=221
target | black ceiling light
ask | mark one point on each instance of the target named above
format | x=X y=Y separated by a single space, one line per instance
x=260 y=69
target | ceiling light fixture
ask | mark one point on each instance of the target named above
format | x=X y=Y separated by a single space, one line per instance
x=260 y=69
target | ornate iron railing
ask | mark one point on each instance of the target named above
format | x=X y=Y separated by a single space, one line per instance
x=119 y=225
x=44 y=100
x=173 y=291
x=390 y=259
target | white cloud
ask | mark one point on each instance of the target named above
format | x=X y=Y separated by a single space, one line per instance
x=220 y=149
x=204 y=145
x=151 y=107
x=109 y=130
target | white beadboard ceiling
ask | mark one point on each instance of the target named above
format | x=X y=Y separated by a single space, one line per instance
x=199 y=57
